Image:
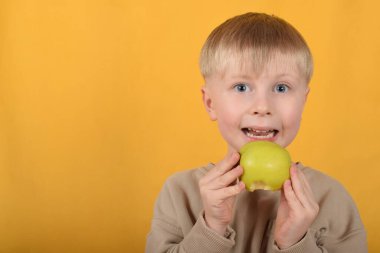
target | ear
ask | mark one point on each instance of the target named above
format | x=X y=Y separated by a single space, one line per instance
x=208 y=103
x=307 y=93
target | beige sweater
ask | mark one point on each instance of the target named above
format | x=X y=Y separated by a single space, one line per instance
x=178 y=224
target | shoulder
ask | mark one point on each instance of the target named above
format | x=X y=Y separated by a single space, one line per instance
x=180 y=196
x=319 y=180
x=183 y=185
x=187 y=178
x=324 y=186
x=337 y=210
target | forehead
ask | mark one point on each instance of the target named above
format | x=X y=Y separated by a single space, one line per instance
x=275 y=64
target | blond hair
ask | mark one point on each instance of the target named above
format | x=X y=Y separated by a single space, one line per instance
x=257 y=38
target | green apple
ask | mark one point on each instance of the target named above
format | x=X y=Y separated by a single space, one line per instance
x=266 y=165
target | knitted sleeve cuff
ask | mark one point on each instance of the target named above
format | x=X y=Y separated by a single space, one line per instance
x=307 y=244
x=203 y=239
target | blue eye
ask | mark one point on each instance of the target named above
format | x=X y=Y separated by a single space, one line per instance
x=241 y=87
x=281 y=88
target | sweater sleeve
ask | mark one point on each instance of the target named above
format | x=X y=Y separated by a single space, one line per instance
x=355 y=242
x=167 y=235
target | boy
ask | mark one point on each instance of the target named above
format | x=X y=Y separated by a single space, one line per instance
x=256 y=69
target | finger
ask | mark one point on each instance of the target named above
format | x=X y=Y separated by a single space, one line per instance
x=290 y=196
x=305 y=183
x=282 y=196
x=305 y=195
x=282 y=212
x=298 y=186
x=230 y=191
x=301 y=175
x=312 y=203
x=222 y=167
x=227 y=179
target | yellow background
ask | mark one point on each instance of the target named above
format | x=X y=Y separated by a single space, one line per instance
x=100 y=102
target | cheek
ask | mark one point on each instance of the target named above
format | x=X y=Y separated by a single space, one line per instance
x=227 y=110
x=291 y=119
x=229 y=116
x=292 y=116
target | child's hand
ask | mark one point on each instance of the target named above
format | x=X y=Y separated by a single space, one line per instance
x=297 y=210
x=218 y=192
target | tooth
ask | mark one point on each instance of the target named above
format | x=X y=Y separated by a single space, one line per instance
x=260 y=134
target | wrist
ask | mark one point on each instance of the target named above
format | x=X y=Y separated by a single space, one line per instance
x=285 y=245
x=221 y=229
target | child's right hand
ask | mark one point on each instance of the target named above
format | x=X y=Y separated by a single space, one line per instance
x=218 y=191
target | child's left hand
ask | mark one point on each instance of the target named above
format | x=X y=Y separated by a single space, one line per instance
x=297 y=210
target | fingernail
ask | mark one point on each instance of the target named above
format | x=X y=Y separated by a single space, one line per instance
x=236 y=157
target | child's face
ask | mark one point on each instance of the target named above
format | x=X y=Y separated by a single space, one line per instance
x=251 y=106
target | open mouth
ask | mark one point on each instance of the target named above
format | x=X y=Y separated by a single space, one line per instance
x=260 y=134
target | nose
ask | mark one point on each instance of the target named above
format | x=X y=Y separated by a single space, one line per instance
x=261 y=105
